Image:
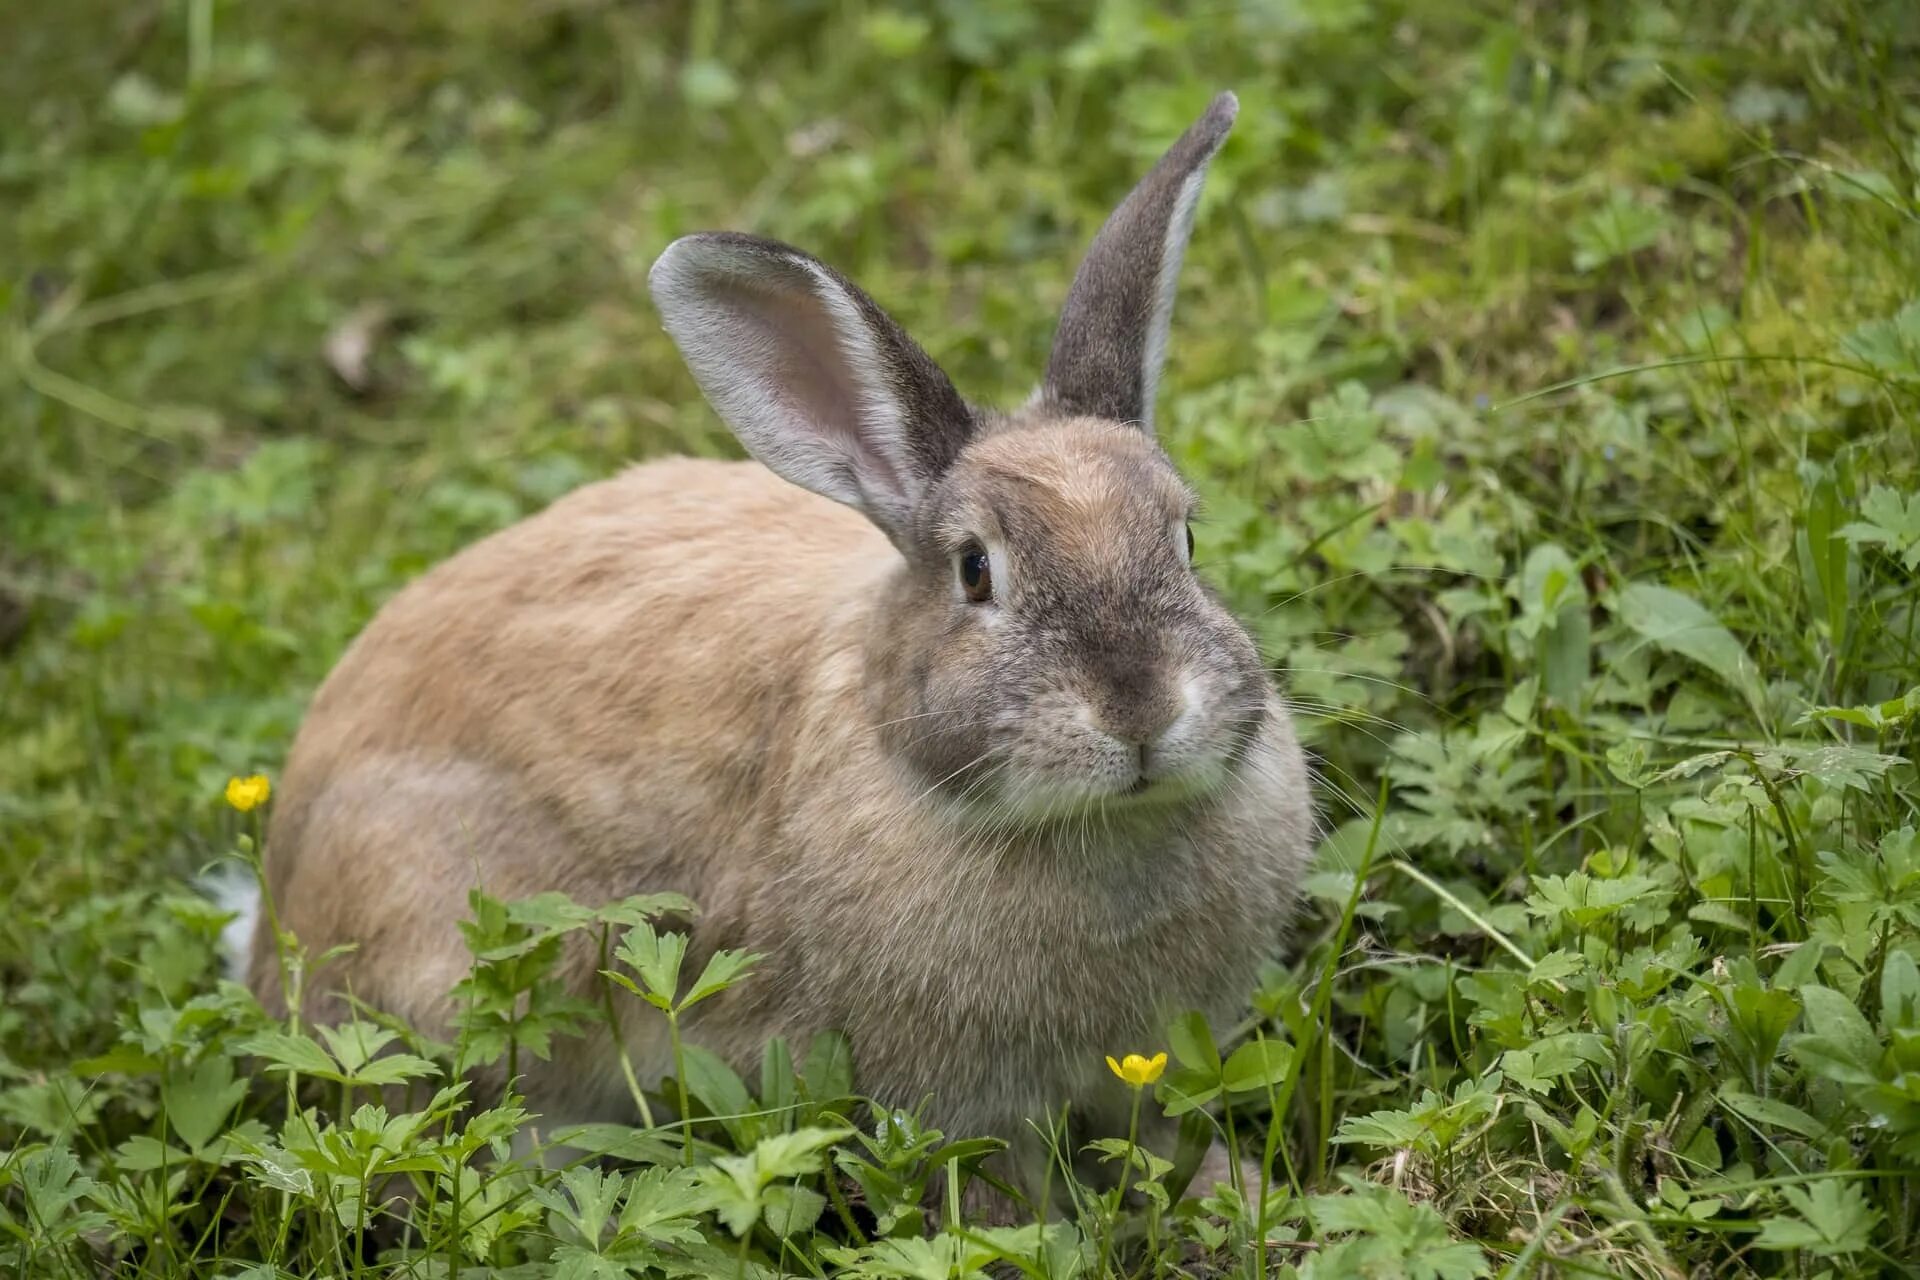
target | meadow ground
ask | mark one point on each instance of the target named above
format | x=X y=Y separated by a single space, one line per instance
x=1551 y=373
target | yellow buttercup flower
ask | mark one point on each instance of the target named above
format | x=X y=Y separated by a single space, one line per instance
x=248 y=793
x=1138 y=1071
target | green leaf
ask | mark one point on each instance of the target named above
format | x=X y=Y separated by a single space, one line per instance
x=1550 y=1058
x=1191 y=1040
x=1619 y=228
x=1757 y=1016
x=55 y=1106
x=723 y=969
x=643 y=907
x=398 y=1068
x=571 y=1262
x=1836 y=765
x=199 y=1099
x=1627 y=760
x=1863 y=184
x=1886 y=882
x=738 y=1184
x=791 y=1155
x=944 y=1257
x=1581 y=901
x=1677 y=623
x=1771 y=1113
x=1872 y=715
x=1386 y=1129
x=1835 y=1220
x=828 y=1074
x=285 y=1052
x=1891 y=520
x=1825 y=559
x=792 y=1210
x=621 y=1142
x=708 y=84
x=1900 y=991
x=50 y=1183
x=353 y=1044
x=777 y=1090
x=1842 y=1046
x=588 y=1202
x=1554 y=621
x=656 y=957
x=719 y=1088
x=1183 y=1089
x=550 y=912
x=1433 y=1124
x=663 y=1205
x=143 y=1153
x=279 y=1170
x=1257 y=1065
x=1393 y=1237
x=1892 y=345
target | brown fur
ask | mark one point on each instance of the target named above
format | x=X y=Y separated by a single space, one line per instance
x=622 y=695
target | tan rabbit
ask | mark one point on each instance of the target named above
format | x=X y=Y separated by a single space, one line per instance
x=926 y=704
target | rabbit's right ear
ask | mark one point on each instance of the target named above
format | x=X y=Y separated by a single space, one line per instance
x=814 y=378
x=1112 y=337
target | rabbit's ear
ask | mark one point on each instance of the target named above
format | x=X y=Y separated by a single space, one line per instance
x=1113 y=329
x=814 y=378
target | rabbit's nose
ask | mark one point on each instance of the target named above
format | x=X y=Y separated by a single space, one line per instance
x=1143 y=720
x=1145 y=726
x=1150 y=722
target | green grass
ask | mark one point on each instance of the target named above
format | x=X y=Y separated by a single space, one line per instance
x=1551 y=372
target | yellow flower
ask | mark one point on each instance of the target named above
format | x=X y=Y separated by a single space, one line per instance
x=1138 y=1071
x=248 y=793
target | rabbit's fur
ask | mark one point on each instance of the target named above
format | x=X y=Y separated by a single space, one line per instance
x=935 y=817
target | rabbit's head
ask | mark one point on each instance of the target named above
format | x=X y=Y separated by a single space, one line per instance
x=1045 y=645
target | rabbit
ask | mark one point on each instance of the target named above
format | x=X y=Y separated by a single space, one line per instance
x=925 y=703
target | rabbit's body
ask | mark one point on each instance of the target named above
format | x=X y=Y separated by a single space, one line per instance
x=986 y=967
x=967 y=752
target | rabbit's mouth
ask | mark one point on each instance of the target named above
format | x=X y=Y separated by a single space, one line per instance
x=1059 y=759
x=1041 y=800
x=1183 y=788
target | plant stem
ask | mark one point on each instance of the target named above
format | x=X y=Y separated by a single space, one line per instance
x=1120 y=1193
x=620 y=1041
x=1323 y=994
x=680 y=1083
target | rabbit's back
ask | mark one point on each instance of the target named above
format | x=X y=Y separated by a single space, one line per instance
x=572 y=703
x=552 y=642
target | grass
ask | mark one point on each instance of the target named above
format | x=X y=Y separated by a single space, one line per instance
x=1552 y=376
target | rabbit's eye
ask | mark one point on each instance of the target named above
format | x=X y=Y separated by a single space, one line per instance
x=976 y=574
x=1189 y=544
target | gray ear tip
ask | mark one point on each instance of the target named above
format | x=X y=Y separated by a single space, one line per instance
x=708 y=252
x=1214 y=126
x=667 y=268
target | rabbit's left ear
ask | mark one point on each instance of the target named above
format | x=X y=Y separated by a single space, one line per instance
x=1112 y=338
x=814 y=378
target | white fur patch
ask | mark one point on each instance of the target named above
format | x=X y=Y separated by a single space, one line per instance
x=1172 y=250
x=1176 y=739
x=730 y=362
x=235 y=890
x=883 y=422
